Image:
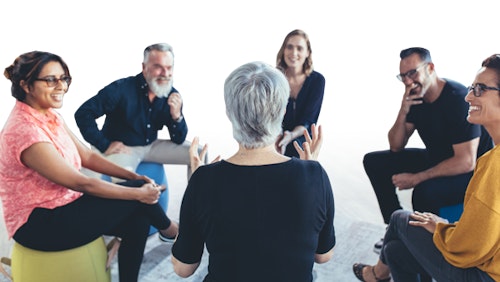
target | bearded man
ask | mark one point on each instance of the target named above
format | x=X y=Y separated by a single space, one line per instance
x=136 y=108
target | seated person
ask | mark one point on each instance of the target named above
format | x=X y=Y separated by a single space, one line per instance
x=307 y=88
x=48 y=204
x=439 y=174
x=263 y=216
x=136 y=108
x=469 y=249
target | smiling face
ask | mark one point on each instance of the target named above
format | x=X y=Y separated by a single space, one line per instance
x=296 y=52
x=416 y=74
x=485 y=110
x=158 y=70
x=40 y=95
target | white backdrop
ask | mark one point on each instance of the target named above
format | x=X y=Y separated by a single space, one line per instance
x=355 y=45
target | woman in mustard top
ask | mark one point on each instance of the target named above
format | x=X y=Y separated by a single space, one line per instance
x=469 y=249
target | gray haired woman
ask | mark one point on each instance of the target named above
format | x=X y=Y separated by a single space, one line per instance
x=262 y=216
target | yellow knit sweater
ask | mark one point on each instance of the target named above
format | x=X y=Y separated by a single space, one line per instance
x=474 y=240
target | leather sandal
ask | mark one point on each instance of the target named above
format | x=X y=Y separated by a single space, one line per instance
x=357 y=268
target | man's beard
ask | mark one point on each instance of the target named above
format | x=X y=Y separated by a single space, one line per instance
x=161 y=91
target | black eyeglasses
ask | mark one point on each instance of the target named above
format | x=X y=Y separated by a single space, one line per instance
x=53 y=81
x=479 y=89
x=411 y=73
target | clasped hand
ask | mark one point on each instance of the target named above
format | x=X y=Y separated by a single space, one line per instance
x=152 y=193
x=405 y=180
x=283 y=141
x=175 y=103
x=117 y=147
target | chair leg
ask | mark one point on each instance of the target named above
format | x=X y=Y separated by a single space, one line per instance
x=112 y=248
x=8 y=262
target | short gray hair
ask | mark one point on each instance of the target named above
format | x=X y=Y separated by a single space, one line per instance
x=162 y=47
x=256 y=95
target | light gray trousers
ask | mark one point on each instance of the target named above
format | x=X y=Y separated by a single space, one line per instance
x=160 y=151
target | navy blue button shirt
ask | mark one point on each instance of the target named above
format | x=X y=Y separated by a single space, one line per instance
x=130 y=117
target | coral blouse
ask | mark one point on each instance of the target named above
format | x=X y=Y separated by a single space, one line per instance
x=21 y=188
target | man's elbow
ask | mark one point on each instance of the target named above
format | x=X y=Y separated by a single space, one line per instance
x=182 y=269
x=322 y=258
x=182 y=272
x=468 y=165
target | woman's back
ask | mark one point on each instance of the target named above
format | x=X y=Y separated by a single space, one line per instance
x=260 y=223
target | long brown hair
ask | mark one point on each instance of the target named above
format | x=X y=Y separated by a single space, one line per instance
x=308 y=63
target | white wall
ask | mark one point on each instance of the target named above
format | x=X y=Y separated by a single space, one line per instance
x=355 y=45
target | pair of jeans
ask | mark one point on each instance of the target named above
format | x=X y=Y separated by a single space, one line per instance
x=410 y=251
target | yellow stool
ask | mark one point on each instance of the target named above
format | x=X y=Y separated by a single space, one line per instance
x=86 y=264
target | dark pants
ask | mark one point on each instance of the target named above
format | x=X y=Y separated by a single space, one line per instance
x=409 y=251
x=428 y=196
x=290 y=148
x=88 y=218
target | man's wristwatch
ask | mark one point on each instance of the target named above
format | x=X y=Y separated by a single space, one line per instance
x=179 y=119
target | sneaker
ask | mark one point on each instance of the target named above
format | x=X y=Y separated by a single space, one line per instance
x=378 y=246
x=165 y=238
x=173 y=228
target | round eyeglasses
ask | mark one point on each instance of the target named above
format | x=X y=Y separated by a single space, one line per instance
x=52 y=81
x=410 y=74
x=479 y=89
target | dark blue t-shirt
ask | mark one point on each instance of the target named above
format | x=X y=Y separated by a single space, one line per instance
x=443 y=123
x=259 y=223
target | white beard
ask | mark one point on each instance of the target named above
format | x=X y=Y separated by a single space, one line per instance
x=161 y=91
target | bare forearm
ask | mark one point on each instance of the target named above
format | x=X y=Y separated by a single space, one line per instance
x=398 y=134
x=100 y=164
x=104 y=189
x=448 y=167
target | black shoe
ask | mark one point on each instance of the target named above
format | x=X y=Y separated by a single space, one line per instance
x=378 y=246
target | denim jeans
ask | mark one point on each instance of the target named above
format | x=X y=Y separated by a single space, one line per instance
x=409 y=251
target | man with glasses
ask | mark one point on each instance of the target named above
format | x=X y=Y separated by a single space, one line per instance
x=136 y=108
x=439 y=173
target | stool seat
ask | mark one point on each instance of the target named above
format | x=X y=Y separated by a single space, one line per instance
x=86 y=263
x=451 y=213
x=156 y=172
